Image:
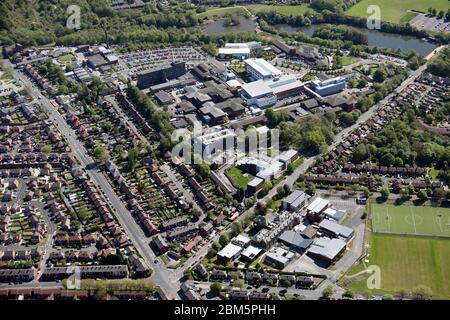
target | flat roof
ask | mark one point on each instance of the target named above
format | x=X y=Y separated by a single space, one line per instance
x=334 y=213
x=318 y=205
x=272 y=86
x=294 y=196
x=328 y=248
x=281 y=255
x=251 y=251
x=295 y=239
x=235 y=50
x=229 y=251
x=336 y=228
x=241 y=238
x=263 y=67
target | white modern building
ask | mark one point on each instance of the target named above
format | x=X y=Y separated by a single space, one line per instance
x=229 y=252
x=264 y=93
x=329 y=86
x=261 y=69
x=217 y=141
x=239 y=50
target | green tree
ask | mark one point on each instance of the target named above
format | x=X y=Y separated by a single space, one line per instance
x=240 y=283
x=384 y=192
x=224 y=239
x=100 y=154
x=216 y=288
x=327 y=293
x=204 y=170
x=422 y=195
x=211 y=253
x=379 y=75
x=348 y=294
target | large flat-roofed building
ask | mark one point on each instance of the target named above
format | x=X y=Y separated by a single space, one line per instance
x=327 y=249
x=329 y=86
x=336 y=230
x=279 y=257
x=264 y=93
x=250 y=253
x=160 y=74
x=295 y=241
x=218 y=140
x=229 y=252
x=238 y=50
x=261 y=69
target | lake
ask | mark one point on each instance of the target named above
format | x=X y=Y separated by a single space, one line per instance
x=217 y=27
x=375 y=38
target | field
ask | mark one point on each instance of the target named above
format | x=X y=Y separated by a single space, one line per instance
x=407 y=263
x=397 y=11
x=286 y=10
x=213 y=12
x=411 y=220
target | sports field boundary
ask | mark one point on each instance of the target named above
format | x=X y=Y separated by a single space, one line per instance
x=411 y=234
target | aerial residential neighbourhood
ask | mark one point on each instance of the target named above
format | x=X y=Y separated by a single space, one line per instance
x=224 y=150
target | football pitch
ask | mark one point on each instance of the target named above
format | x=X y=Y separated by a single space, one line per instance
x=413 y=220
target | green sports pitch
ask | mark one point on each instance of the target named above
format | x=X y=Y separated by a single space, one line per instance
x=413 y=220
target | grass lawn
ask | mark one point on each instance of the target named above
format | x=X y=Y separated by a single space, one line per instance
x=238 y=178
x=410 y=219
x=407 y=263
x=346 y=60
x=214 y=12
x=396 y=11
x=286 y=10
x=66 y=58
